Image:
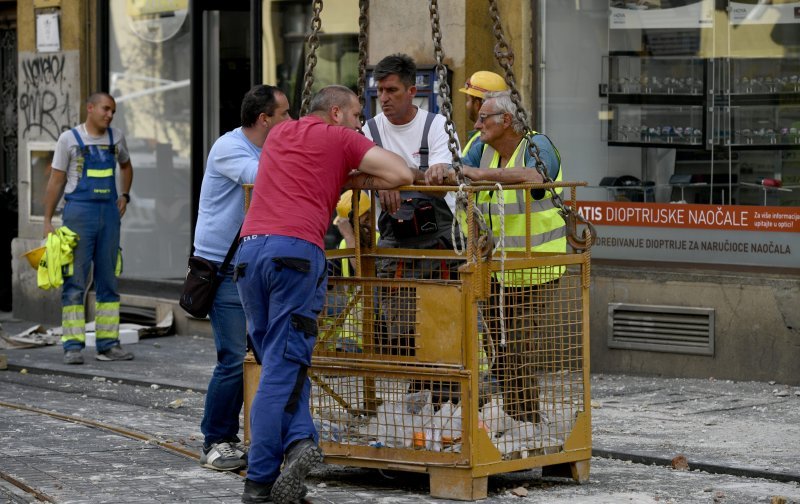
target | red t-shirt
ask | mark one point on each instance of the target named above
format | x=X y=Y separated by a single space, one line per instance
x=302 y=169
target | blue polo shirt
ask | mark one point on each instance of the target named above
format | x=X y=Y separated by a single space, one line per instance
x=232 y=161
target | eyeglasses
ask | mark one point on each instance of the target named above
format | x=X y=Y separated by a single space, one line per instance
x=483 y=117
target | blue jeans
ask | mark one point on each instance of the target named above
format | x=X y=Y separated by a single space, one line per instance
x=97 y=226
x=282 y=290
x=225 y=390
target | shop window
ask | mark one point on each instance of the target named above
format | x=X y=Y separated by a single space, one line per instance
x=149 y=76
x=286 y=26
x=698 y=112
x=40 y=156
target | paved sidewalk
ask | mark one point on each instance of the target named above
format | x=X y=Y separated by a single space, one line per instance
x=737 y=428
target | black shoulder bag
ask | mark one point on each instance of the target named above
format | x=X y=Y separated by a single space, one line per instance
x=202 y=279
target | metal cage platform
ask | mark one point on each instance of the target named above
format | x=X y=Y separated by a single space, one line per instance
x=448 y=370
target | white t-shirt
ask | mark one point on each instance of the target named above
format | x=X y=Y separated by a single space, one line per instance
x=65 y=157
x=404 y=140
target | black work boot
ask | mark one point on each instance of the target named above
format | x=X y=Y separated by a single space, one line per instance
x=255 y=492
x=301 y=459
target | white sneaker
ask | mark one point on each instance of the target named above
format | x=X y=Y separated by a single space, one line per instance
x=223 y=457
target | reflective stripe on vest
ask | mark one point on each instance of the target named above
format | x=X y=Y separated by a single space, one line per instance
x=107 y=172
x=548 y=233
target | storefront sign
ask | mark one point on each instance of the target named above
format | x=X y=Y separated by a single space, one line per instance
x=766 y=236
x=738 y=218
x=642 y=14
x=763 y=13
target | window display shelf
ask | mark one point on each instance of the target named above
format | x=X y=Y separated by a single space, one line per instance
x=625 y=75
x=655 y=125
x=763 y=76
x=762 y=126
x=655 y=101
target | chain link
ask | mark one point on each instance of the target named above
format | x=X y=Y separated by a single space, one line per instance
x=505 y=57
x=363 y=34
x=311 y=57
x=462 y=202
x=444 y=90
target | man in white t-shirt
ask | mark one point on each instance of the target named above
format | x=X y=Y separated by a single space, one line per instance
x=84 y=168
x=409 y=219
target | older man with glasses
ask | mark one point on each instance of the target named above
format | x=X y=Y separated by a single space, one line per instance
x=476 y=87
x=502 y=155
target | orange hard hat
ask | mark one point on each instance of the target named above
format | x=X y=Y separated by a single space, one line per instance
x=482 y=82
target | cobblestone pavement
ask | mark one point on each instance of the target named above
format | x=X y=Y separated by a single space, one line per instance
x=739 y=429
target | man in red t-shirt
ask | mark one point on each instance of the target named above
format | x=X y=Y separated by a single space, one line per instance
x=282 y=276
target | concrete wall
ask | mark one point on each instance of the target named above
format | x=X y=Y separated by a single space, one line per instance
x=51 y=90
x=30 y=302
x=757 y=322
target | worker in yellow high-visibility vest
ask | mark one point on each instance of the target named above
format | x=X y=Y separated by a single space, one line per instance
x=479 y=83
x=501 y=155
x=476 y=87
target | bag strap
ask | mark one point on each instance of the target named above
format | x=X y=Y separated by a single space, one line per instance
x=231 y=251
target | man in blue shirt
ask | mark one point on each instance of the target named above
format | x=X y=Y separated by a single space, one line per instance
x=232 y=161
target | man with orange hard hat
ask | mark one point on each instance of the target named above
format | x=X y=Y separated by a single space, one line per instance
x=480 y=83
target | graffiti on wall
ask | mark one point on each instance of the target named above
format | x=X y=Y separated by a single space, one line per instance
x=48 y=94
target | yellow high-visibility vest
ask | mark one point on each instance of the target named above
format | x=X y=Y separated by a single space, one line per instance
x=548 y=233
x=57 y=259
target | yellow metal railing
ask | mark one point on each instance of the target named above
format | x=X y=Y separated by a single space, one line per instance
x=443 y=370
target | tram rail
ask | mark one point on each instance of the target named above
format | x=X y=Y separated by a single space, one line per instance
x=126 y=432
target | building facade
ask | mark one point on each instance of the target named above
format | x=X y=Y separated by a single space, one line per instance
x=681 y=116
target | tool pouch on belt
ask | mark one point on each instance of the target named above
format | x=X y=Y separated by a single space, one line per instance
x=416 y=217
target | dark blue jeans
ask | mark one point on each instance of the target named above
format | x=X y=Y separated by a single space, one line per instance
x=225 y=390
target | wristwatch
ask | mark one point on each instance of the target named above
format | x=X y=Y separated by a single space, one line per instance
x=127 y=197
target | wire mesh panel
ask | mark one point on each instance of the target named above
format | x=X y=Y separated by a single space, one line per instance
x=386 y=410
x=393 y=320
x=532 y=336
x=460 y=366
x=400 y=374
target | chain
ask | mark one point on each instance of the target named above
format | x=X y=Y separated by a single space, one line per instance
x=444 y=91
x=462 y=203
x=501 y=245
x=505 y=57
x=460 y=245
x=311 y=57
x=363 y=33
